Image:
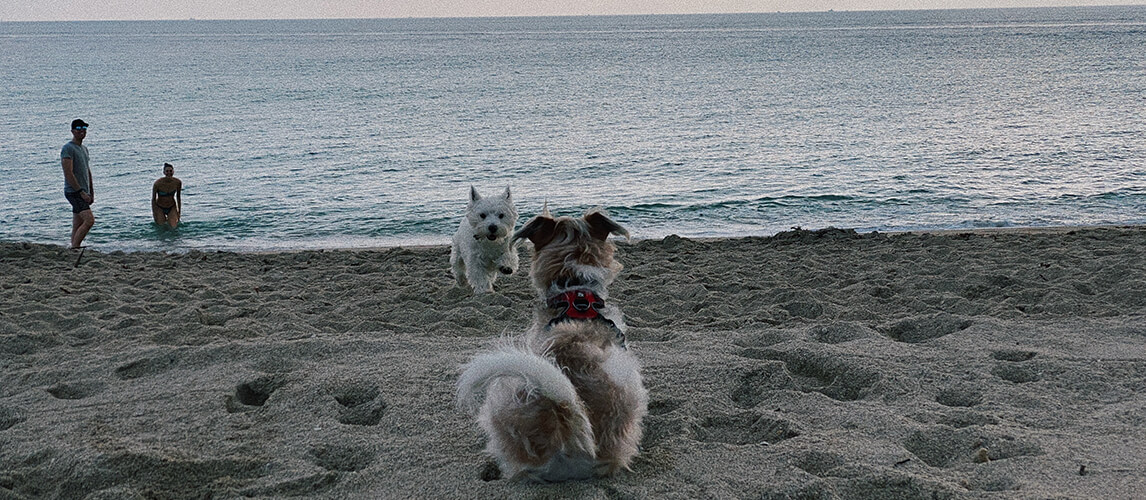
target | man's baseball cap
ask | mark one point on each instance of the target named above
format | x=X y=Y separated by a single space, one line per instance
x=78 y=123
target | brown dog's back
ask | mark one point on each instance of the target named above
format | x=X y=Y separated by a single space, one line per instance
x=608 y=382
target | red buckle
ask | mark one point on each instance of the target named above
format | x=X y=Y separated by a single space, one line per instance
x=578 y=304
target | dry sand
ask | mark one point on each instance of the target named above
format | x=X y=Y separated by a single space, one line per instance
x=814 y=365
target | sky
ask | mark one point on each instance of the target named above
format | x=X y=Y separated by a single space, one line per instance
x=88 y=10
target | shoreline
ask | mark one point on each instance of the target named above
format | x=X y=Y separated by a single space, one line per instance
x=635 y=240
x=821 y=364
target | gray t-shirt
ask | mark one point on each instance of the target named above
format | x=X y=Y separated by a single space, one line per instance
x=79 y=155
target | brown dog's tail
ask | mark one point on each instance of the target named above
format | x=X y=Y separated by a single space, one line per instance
x=536 y=424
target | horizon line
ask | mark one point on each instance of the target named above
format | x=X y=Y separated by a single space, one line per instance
x=527 y=16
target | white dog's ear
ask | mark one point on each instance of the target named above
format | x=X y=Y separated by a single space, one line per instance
x=601 y=226
x=474 y=196
x=539 y=230
x=507 y=196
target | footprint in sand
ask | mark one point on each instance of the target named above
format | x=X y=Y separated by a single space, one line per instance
x=75 y=390
x=812 y=372
x=756 y=385
x=490 y=472
x=924 y=328
x=818 y=463
x=1016 y=356
x=21 y=344
x=10 y=416
x=1019 y=374
x=745 y=428
x=961 y=418
x=959 y=396
x=1013 y=369
x=339 y=458
x=253 y=394
x=361 y=404
x=146 y=366
x=663 y=406
x=663 y=422
x=943 y=446
x=169 y=475
x=838 y=333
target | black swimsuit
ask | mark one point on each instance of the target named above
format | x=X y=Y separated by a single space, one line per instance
x=163 y=194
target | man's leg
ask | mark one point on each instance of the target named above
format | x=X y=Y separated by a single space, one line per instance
x=85 y=222
x=76 y=222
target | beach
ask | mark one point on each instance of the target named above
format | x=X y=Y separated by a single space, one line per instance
x=822 y=364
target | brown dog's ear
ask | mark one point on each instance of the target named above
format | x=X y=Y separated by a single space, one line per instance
x=601 y=226
x=539 y=230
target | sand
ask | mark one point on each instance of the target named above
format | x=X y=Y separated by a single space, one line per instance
x=815 y=365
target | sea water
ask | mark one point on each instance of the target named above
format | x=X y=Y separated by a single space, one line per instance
x=356 y=133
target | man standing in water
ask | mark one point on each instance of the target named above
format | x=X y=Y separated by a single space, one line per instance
x=78 y=187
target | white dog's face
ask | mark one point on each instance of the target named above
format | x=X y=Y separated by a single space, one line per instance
x=491 y=218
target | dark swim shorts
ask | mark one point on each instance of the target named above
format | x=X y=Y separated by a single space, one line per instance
x=77 y=201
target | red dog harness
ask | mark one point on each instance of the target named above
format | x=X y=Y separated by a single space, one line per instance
x=583 y=304
x=577 y=304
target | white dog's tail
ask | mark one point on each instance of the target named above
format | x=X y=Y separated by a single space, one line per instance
x=536 y=424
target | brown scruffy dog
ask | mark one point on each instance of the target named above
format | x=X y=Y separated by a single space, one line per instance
x=566 y=401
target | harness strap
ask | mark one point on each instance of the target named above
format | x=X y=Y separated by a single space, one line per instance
x=583 y=304
x=577 y=304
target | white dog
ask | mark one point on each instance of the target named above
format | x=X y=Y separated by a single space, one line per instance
x=566 y=402
x=482 y=247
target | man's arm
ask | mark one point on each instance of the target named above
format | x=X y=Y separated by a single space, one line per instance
x=70 y=178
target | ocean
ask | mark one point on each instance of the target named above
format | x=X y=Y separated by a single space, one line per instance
x=369 y=132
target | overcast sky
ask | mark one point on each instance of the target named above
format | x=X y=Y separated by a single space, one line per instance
x=67 y=10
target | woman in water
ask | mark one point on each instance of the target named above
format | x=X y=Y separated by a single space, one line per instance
x=167 y=198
